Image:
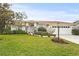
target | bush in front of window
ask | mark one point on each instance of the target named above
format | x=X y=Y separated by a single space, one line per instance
x=18 y=32
x=42 y=29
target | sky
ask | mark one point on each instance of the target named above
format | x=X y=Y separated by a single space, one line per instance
x=67 y=12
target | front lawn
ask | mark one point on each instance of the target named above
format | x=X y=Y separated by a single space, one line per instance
x=26 y=45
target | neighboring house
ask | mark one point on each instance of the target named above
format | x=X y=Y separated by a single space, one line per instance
x=76 y=24
x=51 y=26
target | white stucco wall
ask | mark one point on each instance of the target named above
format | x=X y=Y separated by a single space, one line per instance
x=24 y=28
x=30 y=29
x=14 y=28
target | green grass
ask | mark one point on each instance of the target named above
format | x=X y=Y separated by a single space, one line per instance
x=25 y=45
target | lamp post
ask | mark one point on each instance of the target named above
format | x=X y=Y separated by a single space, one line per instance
x=58 y=30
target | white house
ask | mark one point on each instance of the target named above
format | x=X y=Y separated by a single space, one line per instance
x=76 y=24
x=51 y=26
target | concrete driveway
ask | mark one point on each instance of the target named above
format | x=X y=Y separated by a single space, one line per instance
x=72 y=38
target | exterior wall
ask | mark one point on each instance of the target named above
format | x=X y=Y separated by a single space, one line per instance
x=30 y=29
x=23 y=28
x=17 y=27
x=14 y=27
x=76 y=27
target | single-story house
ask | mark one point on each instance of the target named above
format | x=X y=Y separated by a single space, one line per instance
x=51 y=26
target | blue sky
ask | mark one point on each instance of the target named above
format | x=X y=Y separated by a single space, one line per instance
x=49 y=11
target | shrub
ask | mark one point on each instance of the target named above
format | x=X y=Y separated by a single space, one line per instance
x=42 y=29
x=75 y=31
x=18 y=32
x=41 y=33
x=7 y=30
x=44 y=33
x=38 y=33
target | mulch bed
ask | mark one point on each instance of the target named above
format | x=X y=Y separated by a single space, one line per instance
x=62 y=41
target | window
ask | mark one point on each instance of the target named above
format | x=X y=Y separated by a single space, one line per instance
x=53 y=26
x=64 y=26
x=68 y=26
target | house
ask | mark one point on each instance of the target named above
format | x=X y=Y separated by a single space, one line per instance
x=76 y=24
x=51 y=26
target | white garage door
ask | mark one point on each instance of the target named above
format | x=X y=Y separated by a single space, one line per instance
x=63 y=30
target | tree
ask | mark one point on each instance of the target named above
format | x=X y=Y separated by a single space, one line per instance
x=6 y=16
x=20 y=15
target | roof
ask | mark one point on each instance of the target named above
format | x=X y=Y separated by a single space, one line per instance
x=54 y=22
x=43 y=22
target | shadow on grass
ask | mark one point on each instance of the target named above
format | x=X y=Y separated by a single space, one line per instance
x=1 y=39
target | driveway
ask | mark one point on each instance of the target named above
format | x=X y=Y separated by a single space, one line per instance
x=72 y=38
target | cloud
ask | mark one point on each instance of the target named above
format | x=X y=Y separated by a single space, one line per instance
x=36 y=14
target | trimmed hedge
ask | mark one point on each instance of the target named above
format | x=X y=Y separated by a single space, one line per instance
x=44 y=33
x=18 y=32
x=75 y=31
x=42 y=29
